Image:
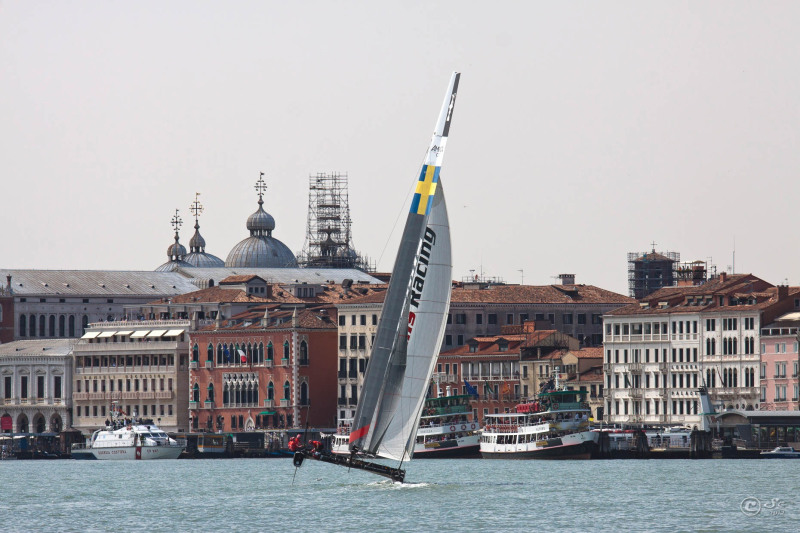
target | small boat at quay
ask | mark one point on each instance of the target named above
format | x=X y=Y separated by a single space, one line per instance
x=781 y=452
x=124 y=440
x=555 y=426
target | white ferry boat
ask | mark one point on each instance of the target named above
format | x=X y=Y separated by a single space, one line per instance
x=129 y=441
x=556 y=426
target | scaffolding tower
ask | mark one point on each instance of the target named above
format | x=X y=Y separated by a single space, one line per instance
x=328 y=241
x=650 y=271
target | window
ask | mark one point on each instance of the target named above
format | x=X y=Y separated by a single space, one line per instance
x=341 y=320
x=342 y=342
x=509 y=318
x=460 y=340
x=448 y=340
x=597 y=318
x=286 y=349
x=353 y=320
x=581 y=319
x=492 y=319
x=374 y=320
x=566 y=318
x=478 y=318
x=363 y=320
x=461 y=318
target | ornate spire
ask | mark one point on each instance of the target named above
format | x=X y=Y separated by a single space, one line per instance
x=176 y=251
x=198 y=243
x=260 y=187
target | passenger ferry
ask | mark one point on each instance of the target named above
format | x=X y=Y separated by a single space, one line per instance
x=556 y=426
x=133 y=440
x=446 y=430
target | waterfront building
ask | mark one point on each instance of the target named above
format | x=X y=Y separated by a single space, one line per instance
x=660 y=350
x=779 y=363
x=50 y=304
x=138 y=366
x=263 y=368
x=35 y=386
x=478 y=308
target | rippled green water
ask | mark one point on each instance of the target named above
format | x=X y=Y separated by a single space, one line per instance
x=441 y=496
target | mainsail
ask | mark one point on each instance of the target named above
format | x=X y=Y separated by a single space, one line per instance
x=413 y=319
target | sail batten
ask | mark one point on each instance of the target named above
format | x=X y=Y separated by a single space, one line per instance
x=411 y=328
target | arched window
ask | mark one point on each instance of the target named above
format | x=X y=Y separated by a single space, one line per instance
x=195 y=353
x=195 y=393
x=23 y=325
x=303 y=353
x=210 y=392
x=270 y=391
x=210 y=352
x=32 y=326
x=71 y=325
x=286 y=349
x=219 y=354
x=84 y=324
x=255 y=394
x=42 y=325
x=260 y=353
x=62 y=326
x=238 y=394
x=270 y=352
x=52 y=325
x=304 y=393
x=225 y=397
x=286 y=390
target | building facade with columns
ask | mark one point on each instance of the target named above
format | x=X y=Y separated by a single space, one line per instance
x=139 y=366
x=35 y=386
x=659 y=351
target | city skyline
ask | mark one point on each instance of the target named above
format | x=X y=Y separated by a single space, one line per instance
x=581 y=132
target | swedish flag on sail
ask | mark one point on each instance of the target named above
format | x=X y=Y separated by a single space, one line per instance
x=426 y=188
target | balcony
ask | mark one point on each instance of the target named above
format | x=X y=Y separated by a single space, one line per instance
x=208 y=405
x=284 y=403
x=285 y=361
x=342 y=402
x=193 y=405
x=268 y=403
x=342 y=373
x=268 y=362
x=209 y=364
x=164 y=395
x=193 y=365
x=352 y=374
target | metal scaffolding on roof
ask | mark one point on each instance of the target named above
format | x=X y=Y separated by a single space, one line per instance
x=328 y=241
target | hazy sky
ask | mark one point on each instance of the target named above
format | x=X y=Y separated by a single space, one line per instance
x=582 y=130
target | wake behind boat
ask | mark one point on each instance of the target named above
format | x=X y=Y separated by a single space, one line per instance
x=411 y=327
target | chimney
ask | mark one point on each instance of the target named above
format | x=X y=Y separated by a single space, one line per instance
x=295 y=320
x=567 y=279
x=723 y=277
x=783 y=292
x=265 y=318
x=8 y=279
x=193 y=322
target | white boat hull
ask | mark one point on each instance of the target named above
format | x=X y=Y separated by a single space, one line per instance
x=128 y=453
x=577 y=445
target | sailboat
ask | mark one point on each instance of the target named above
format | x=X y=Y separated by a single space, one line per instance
x=411 y=327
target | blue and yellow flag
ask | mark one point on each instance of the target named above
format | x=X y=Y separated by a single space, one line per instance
x=426 y=188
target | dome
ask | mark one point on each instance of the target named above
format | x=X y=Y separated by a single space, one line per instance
x=176 y=249
x=197 y=242
x=261 y=252
x=261 y=221
x=261 y=249
x=172 y=266
x=203 y=260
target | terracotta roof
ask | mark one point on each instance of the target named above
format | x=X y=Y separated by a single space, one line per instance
x=653 y=256
x=705 y=297
x=524 y=294
x=215 y=295
x=242 y=278
x=595 y=352
x=278 y=319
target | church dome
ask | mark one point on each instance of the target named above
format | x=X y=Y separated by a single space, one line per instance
x=261 y=249
x=203 y=260
x=172 y=266
x=176 y=249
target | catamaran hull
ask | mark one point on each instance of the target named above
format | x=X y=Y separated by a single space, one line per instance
x=128 y=453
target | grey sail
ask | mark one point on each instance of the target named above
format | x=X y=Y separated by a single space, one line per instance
x=413 y=319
